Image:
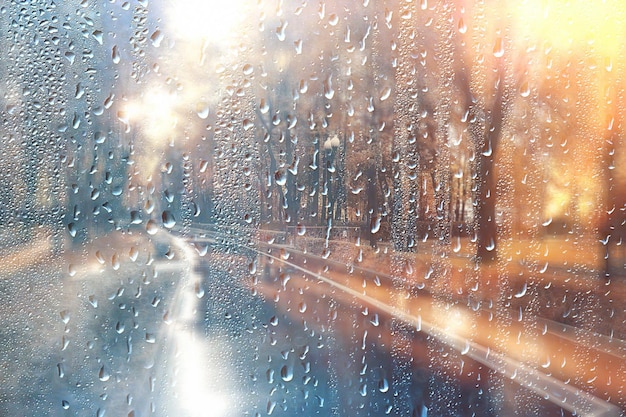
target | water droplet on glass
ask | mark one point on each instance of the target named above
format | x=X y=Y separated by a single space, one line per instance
x=286 y=373
x=300 y=229
x=383 y=385
x=104 y=374
x=270 y=407
x=65 y=404
x=247 y=124
x=98 y=36
x=524 y=89
x=281 y=177
x=168 y=219
x=462 y=26
x=70 y=56
x=498 y=48
x=156 y=38
x=385 y=94
x=202 y=109
x=65 y=316
x=115 y=55
x=375 y=224
x=71 y=227
x=248 y=69
x=135 y=217
x=150 y=338
x=280 y=30
x=133 y=253
x=152 y=227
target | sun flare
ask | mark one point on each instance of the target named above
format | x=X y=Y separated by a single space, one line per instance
x=207 y=20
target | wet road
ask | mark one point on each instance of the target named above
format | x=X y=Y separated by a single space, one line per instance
x=200 y=326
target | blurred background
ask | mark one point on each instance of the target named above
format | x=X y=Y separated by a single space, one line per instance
x=322 y=208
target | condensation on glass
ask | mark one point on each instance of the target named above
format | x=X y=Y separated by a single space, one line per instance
x=285 y=208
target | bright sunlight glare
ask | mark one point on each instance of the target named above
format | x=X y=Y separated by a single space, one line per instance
x=208 y=20
x=571 y=24
x=155 y=112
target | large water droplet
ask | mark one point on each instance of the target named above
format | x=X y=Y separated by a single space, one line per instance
x=202 y=109
x=375 y=224
x=524 y=89
x=383 y=385
x=498 y=48
x=156 y=38
x=286 y=373
x=104 y=374
x=168 y=219
x=115 y=55
x=152 y=227
x=281 y=177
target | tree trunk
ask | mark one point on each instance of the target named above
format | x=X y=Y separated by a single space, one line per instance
x=487 y=228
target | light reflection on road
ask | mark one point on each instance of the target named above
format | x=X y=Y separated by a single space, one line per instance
x=200 y=374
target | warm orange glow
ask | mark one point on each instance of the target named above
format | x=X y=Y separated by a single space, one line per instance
x=597 y=25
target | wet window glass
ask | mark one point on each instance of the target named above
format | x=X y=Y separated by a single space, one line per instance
x=299 y=208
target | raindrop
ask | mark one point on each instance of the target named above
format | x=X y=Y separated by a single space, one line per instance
x=281 y=177
x=383 y=385
x=156 y=38
x=133 y=253
x=522 y=291
x=248 y=69
x=270 y=407
x=98 y=36
x=104 y=374
x=498 y=48
x=524 y=89
x=252 y=267
x=115 y=262
x=457 y=245
x=71 y=227
x=135 y=217
x=99 y=137
x=462 y=26
x=80 y=91
x=286 y=373
x=119 y=327
x=202 y=109
x=115 y=55
x=375 y=224
x=70 y=56
x=150 y=338
x=168 y=219
x=247 y=124
x=152 y=227
x=199 y=290
x=93 y=301
x=65 y=404
x=329 y=93
x=385 y=94
x=65 y=316
x=300 y=229
x=363 y=390
x=280 y=30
